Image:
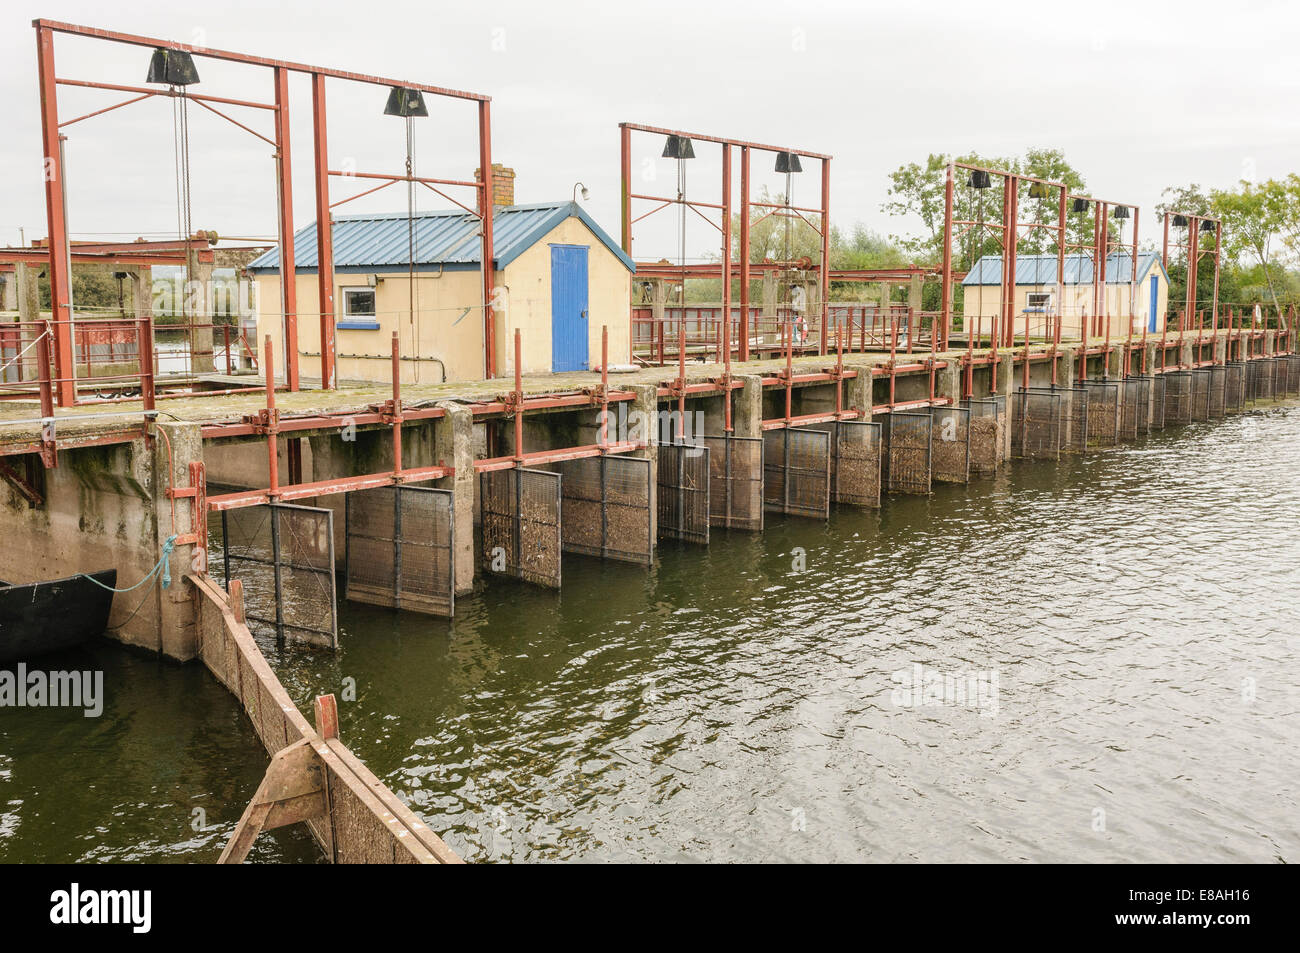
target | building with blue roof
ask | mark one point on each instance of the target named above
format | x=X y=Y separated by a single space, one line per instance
x=559 y=278
x=1144 y=300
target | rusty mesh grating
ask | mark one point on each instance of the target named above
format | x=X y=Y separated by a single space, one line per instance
x=735 y=481
x=1234 y=387
x=399 y=545
x=605 y=503
x=1218 y=390
x=1201 y=393
x=1251 y=380
x=1293 y=375
x=1263 y=379
x=682 y=496
x=284 y=554
x=950 y=449
x=1156 y=420
x=1178 y=397
x=1135 y=407
x=1281 y=375
x=521 y=525
x=1036 y=434
x=909 y=442
x=1103 y=412
x=797 y=472
x=984 y=451
x=855 y=461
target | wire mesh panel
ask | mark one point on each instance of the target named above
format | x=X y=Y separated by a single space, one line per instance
x=1178 y=397
x=399 y=548
x=1218 y=390
x=950 y=450
x=855 y=461
x=682 y=496
x=1281 y=375
x=735 y=481
x=1037 y=433
x=1251 y=388
x=1157 y=419
x=606 y=507
x=1074 y=413
x=1293 y=375
x=1263 y=379
x=284 y=554
x=1201 y=393
x=797 y=472
x=521 y=525
x=984 y=452
x=910 y=445
x=1103 y=412
x=1135 y=407
x=1234 y=387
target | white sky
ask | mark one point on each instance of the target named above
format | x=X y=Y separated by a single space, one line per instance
x=1138 y=95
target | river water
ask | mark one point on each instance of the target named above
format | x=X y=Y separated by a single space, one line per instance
x=1122 y=626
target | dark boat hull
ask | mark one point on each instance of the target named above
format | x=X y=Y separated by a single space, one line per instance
x=41 y=617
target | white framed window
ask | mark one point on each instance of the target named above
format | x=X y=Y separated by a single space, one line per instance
x=358 y=310
x=1038 y=301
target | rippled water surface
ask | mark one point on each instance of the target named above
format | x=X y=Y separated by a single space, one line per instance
x=1137 y=606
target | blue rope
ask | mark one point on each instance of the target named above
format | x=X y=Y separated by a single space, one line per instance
x=163 y=564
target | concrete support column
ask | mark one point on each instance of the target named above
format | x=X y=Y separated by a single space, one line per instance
x=769 y=293
x=747 y=407
x=857 y=391
x=914 y=293
x=1185 y=354
x=177 y=636
x=1005 y=382
x=453 y=446
x=1270 y=340
x=201 y=360
x=643 y=425
x=948 y=382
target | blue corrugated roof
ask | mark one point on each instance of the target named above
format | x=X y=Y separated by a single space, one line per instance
x=1041 y=269
x=443 y=239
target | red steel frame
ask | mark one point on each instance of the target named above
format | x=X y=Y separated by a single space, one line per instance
x=1100 y=249
x=1193 y=252
x=723 y=270
x=59 y=271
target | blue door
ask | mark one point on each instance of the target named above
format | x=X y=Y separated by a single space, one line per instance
x=568 y=308
x=1155 y=302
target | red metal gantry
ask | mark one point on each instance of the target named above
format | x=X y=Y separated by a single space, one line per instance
x=63 y=378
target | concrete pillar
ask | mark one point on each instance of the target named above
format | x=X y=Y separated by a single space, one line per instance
x=201 y=359
x=769 y=293
x=27 y=292
x=643 y=425
x=453 y=446
x=1004 y=386
x=948 y=381
x=857 y=391
x=177 y=634
x=914 y=293
x=747 y=407
x=8 y=292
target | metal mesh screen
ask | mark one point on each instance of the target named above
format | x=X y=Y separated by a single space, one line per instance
x=521 y=525
x=1293 y=375
x=1263 y=379
x=735 y=481
x=796 y=472
x=984 y=451
x=606 y=507
x=950 y=449
x=1178 y=397
x=1201 y=393
x=1103 y=412
x=1281 y=375
x=1157 y=419
x=284 y=554
x=1218 y=390
x=910 y=440
x=1251 y=378
x=1135 y=407
x=399 y=548
x=1234 y=387
x=682 y=497
x=1037 y=429
x=855 y=461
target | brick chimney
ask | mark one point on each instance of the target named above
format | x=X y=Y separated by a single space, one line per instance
x=503 y=184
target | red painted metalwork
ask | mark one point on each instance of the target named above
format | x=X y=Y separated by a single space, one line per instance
x=489 y=259
x=723 y=270
x=58 y=252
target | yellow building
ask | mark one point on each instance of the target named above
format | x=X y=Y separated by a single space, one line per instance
x=1037 y=293
x=559 y=278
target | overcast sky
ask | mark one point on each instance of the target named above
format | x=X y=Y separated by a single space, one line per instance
x=1138 y=95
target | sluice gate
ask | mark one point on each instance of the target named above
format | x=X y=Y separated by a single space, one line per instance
x=605 y=508
x=855 y=461
x=399 y=549
x=284 y=554
x=986 y=416
x=951 y=439
x=1103 y=412
x=796 y=472
x=683 y=492
x=1036 y=431
x=735 y=481
x=908 y=458
x=521 y=525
